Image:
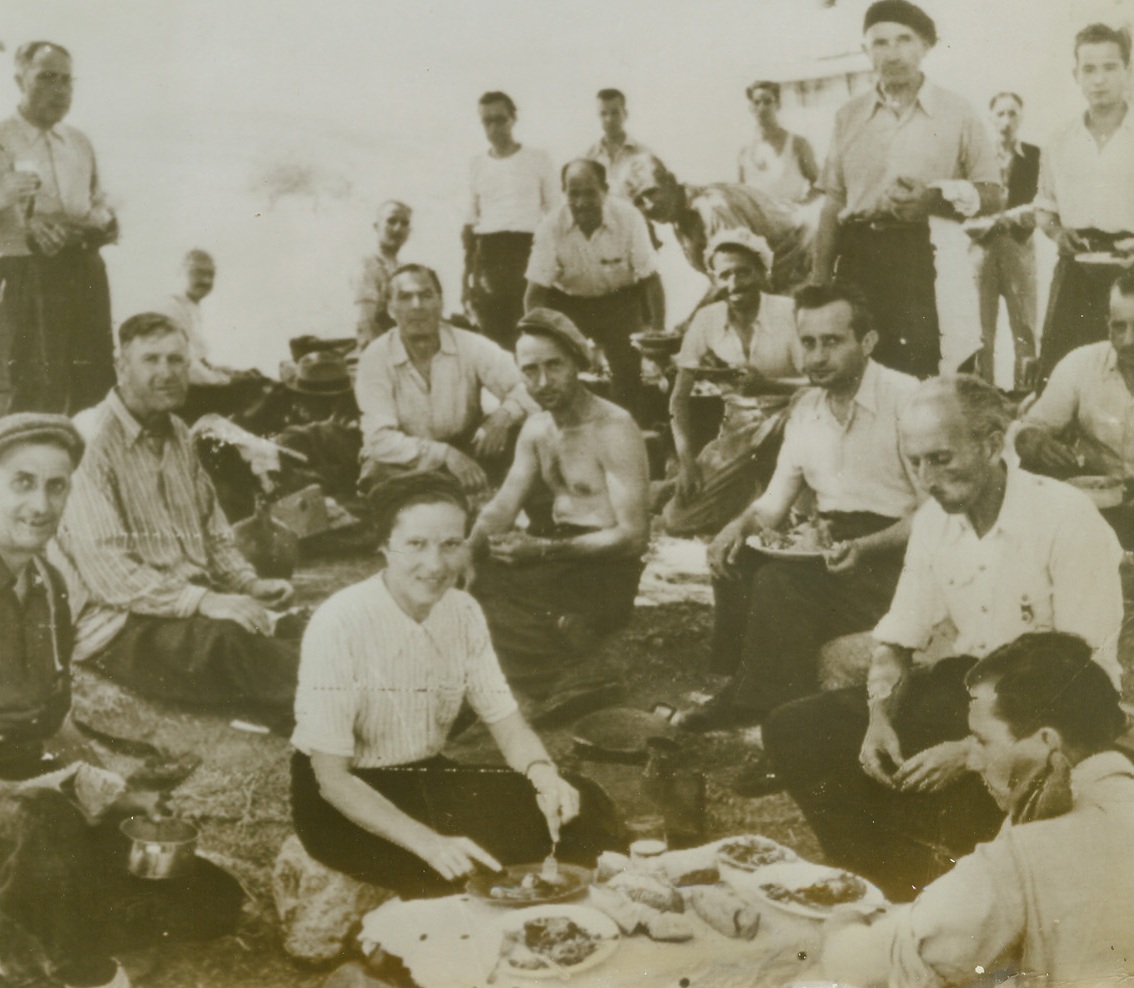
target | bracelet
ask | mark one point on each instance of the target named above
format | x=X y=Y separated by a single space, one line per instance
x=534 y=763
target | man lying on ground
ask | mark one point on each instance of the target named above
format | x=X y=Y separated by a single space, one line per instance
x=419 y=388
x=753 y=334
x=164 y=603
x=881 y=774
x=841 y=442
x=1050 y=895
x=66 y=901
x=581 y=476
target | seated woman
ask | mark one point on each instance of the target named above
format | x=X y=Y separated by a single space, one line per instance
x=385 y=667
x=752 y=335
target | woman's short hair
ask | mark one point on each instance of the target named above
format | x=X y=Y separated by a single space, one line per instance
x=1049 y=679
x=390 y=498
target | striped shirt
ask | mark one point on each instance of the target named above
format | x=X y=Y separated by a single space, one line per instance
x=143 y=532
x=382 y=689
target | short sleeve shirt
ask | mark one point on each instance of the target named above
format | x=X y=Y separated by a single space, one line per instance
x=383 y=689
x=616 y=255
x=773 y=350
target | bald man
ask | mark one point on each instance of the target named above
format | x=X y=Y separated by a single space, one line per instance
x=593 y=261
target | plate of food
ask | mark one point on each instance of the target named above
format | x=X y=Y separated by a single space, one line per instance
x=813 y=890
x=525 y=885
x=1105 y=492
x=751 y=851
x=657 y=343
x=808 y=540
x=555 y=941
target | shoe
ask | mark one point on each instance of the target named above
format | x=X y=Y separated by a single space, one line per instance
x=716 y=715
x=757 y=778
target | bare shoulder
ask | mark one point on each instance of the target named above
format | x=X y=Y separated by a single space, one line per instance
x=616 y=426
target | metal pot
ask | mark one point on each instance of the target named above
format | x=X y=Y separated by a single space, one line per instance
x=163 y=848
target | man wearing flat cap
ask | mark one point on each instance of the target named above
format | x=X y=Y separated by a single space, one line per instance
x=581 y=476
x=592 y=260
x=899 y=153
x=747 y=346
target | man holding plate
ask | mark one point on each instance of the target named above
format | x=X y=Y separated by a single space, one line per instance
x=841 y=442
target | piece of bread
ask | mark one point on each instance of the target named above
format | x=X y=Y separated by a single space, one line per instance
x=649 y=891
x=725 y=911
x=667 y=927
x=623 y=910
x=609 y=864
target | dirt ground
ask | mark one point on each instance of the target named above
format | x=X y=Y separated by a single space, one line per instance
x=239 y=795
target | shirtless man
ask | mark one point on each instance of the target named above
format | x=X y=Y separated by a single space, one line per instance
x=581 y=476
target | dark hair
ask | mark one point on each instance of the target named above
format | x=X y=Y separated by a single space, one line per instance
x=146 y=324
x=26 y=53
x=608 y=94
x=1006 y=94
x=597 y=167
x=1048 y=679
x=820 y=296
x=1124 y=283
x=390 y=498
x=1099 y=34
x=197 y=256
x=422 y=269
x=496 y=96
x=771 y=87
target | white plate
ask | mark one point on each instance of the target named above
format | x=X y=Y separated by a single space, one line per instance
x=800 y=874
x=754 y=542
x=724 y=858
x=594 y=922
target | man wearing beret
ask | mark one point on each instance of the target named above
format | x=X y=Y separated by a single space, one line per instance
x=899 y=153
x=164 y=602
x=64 y=884
x=582 y=477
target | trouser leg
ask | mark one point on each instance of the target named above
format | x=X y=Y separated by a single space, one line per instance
x=987 y=275
x=1019 y=287
x=1077 y=313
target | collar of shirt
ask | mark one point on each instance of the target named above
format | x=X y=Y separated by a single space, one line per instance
x=1095 y=768
x=866 y=397
x=33 y=133
x=7 y=577
x=606 y=223
x=927 y=99
x=1013 y=519
x=1110 y=361
x=134 y=429
x=1127 y=125
x=399 y=355
x=403 y=629
x=628 y=146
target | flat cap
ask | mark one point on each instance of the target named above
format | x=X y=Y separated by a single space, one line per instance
x=744 y=239
x=901 y=12
x=38 y=427
x=548 y=322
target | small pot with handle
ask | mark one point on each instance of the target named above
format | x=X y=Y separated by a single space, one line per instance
x=162 y=848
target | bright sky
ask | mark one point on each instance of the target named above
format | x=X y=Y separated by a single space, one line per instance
x=200 y=110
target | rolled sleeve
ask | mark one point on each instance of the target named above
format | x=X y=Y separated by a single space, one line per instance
x=1058 y=406
x=642 y=257
x=831 y=181
x=918 y=606
x=978 y=157
x=497 y=372
x=327 y=696
x=1045 y=193
x=695 y=344
x=543 y=265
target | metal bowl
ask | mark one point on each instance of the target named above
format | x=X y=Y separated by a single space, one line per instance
x=163 y=848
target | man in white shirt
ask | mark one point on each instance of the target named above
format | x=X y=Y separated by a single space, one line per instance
x=841 y=442
x=56 y=347
x=882 y=777
x=615 y=149
x=419 y=390
x=511 y=187
x=592 y=260
x=1085 y=201
x=1051 y=895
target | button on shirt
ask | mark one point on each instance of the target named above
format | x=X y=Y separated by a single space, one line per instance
x=940 y=137
x=509 y=195
x=142 y=532
x=773 y=349
x=382 y=689
x=35 y=654
x=616 y=255
x=407 y=420
x=852 y=467
x=1049 y=563
x=1052 y=896
x=64 y=160
x=1086 y=390
x=1086 y=185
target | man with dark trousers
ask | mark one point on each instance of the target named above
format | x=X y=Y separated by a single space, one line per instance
x=1004 y=254
x=901 y=152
